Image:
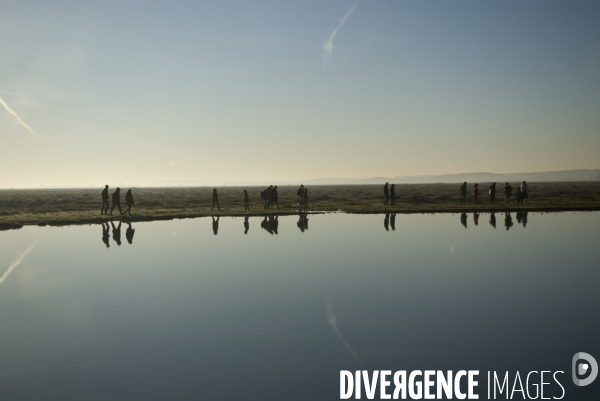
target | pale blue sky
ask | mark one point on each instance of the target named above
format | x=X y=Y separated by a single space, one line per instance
x=145 y=91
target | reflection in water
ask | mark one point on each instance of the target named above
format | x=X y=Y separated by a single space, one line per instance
x=463 y=219
x=386 y=222
x=246 y=224
x=522 y=218
x=106 y=234
x=16 y=263
x=270 y=224
x=476 y=218
x=332 y=320
x=393 y=220
x=493 y=219
x=302 y=222
x=215 y=225
x=116 y=233
x=508 y=223
x=129 y=233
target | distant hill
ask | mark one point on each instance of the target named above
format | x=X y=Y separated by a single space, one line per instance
x=548 y=176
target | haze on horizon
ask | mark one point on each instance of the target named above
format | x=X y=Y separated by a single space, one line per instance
x=140 y=91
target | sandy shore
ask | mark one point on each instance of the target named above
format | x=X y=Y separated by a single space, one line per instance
x=82 y=206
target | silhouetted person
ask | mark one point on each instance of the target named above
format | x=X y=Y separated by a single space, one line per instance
x=246 y=225
x=524 y=193
x=475 y=193
x=507 y=194
x=393 y=221
x=274 y=197
x=268 y=196
x=215 y=200
x=393 y=195
x=386 y=222
x=263 y=196
x=215 y=225
x=463 y=219
x=129 y=201
x=305 y=198
x=386 y=193
x=116 y=201
x=508 y=221
x=492 y=193
x=246 y=201
x=129 y=233
x=493 y=220
x=300 y=195
x=104 y=209
x=463 y=193
x=106 y=234
x=116 y=232
x=476 y=218
x=518 y=196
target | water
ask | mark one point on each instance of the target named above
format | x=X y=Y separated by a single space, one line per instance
x=276 y=313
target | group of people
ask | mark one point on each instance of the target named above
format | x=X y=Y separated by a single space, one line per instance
x=390 y=194
x=521 y=193
x=116 y=201
x=269 y=196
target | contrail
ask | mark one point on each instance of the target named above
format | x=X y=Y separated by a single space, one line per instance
x=332 y=320
x=16 y=263
x=328 y=46
x=19 y=120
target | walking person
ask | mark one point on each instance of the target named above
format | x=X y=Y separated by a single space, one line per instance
x=386 y=192
x=507 y=193
x=215 y=200
x=129 y=201
x=518 y=196
x=246 y=201
x=263 y=196
x=104 y=209
x=393 y=195
x=268 y=196
x=475 y=193
x=274 y=197
x=524 y=192
x=492 y=192
x=300 y=194
x=463 y=193
x=116 y=201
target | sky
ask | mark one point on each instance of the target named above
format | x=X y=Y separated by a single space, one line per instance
x=143 y=92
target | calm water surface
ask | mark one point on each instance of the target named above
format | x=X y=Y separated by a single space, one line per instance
x=274 y=309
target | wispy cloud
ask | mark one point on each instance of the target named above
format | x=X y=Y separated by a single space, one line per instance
x=16 y=262
x=332 y=320
x=19 y=120
x=328 y=46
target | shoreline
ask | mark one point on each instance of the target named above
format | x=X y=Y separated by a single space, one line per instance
x=63 y=207
x=76 y=221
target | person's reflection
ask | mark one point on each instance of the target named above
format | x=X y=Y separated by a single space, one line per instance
x=129 y=233
x=476 y=218
x=393 y=221
x=116 y=233
x=508 y=223
x=302 y=222
x=266 y=225
x=105 y=234
x=215 y=225
x=493 y=220
x=525 y=219
x=463 y=219
x=274 y=223
x=386 y=222
x=519 y=216
x=246 y=225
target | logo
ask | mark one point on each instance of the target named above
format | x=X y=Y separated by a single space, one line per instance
x=580 y=368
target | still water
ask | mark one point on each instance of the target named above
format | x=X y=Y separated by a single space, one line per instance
x=273 y=309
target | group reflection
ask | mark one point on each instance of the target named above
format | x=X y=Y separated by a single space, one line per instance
x=270 y=223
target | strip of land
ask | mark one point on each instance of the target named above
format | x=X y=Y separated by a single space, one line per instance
x=82 y=206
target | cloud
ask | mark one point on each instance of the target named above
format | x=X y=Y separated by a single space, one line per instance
x=328 y=46
x=16 y=262
x=332 y=320
x=19 y=120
